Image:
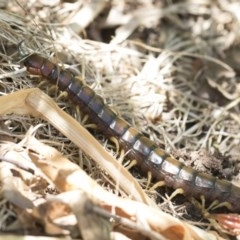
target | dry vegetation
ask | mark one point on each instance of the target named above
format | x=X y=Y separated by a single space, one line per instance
x=171 y=68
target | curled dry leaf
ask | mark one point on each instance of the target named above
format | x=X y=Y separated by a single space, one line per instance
x=229 y=222
x=13 y=180
x=86 y=14
x=48 y=212
x=91 y=225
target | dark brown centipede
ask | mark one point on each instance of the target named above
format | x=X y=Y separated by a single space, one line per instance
x=149 y=156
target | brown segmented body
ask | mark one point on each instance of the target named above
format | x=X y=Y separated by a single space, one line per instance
x=148 y=155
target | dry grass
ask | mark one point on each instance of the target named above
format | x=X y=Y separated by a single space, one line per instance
x=171 y=68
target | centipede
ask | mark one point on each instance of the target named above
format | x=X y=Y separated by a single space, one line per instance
x=150 y=157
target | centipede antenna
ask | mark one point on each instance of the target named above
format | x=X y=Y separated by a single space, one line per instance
x=22 y=53
x=20 y=49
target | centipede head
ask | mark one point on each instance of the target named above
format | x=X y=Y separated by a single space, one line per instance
x=34 y=64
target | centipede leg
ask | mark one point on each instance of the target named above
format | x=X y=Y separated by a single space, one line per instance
x=149 y=179
x=224 y=223
x=157 y=185
x=216 y=204
x=116 y=143
x=177 y=192
x=131 y=164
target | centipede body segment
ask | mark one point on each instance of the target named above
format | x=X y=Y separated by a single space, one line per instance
x=149 y=156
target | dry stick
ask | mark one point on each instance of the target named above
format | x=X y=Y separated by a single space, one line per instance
x=126 y=222
x=87 y=210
